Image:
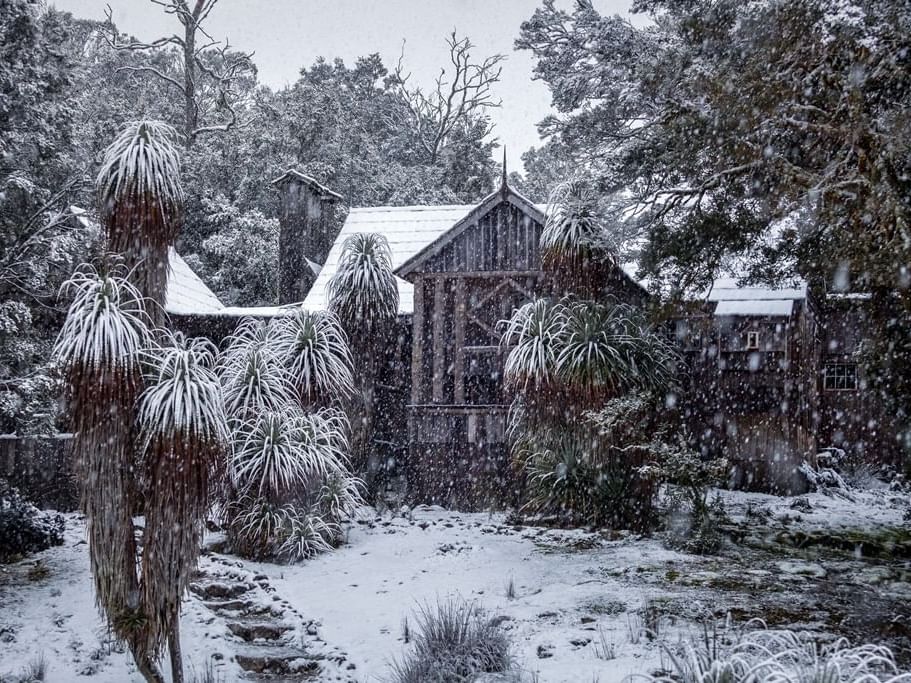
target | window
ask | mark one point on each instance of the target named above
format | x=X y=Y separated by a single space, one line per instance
x=840 y=377
x=752 y=341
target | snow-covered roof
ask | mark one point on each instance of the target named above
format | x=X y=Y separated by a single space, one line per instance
x=186 y=293
x=755 y=307
x=407 y=228
x=315 y=185
x=727 y=289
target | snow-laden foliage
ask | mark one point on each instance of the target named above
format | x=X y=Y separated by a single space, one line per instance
x=290 y=482
x=99 y=349
x=573 y=234
x=280 y=453
x=314 y=348
x=139 y=183
x=534 y=332
x=783 y=656
x=141 y=202
x=182 y=399
x=569 y=358
x=453 y=642
x=364 y=290
x=183 y=432
x=254 y=378
x=23 y=528
x=592 y=349
x=106 y=325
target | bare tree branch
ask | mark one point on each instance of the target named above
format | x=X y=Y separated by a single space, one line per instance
x=459 y=94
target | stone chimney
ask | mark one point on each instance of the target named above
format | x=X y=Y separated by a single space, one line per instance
x=308 y=229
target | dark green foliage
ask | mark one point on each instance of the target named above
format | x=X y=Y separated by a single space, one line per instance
x=23 y=528
x=453 y=643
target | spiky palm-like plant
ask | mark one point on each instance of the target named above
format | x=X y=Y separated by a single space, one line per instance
x=99 y=349
x=534 y=333
x=567 y=358
x=281 y=467
x=314 y=348
x=183 y=432
x=364 y=291
x=254 y=378
x=364 y=296
x=574 y=243
x=607 y=349
x=141 y=202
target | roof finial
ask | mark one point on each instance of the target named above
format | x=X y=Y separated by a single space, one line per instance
x=503 y=185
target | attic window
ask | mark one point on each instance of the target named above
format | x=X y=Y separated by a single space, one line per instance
x=840 y=377
x=752 y=341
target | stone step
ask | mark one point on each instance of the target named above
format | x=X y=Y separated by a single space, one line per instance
x=214 y=590
x=259 y=630
x=237 y=608
x=276 y=659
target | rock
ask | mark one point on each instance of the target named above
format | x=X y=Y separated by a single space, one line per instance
x=797 y=568
x=218 y=589
x=580 y=642
x=259 y=630
x=276 y=660
x=545 y=651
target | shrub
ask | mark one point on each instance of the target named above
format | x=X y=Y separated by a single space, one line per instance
x=23 y=528
x=770 y=656
x=453 y=643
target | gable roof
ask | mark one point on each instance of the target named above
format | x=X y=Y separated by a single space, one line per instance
x=505 y=193
x=409 y=229
x=186 y=293
x=312 y=183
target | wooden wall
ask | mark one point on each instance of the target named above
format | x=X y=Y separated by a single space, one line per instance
x=457 y=413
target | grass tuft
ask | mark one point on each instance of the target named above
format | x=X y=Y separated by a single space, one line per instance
x=453 y=643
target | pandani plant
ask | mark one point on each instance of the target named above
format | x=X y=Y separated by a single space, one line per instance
x=99 y=349
x=364 y=297
x=568 y=356
x=290 y=487
x=143 y=439
x=140 y=201
x=183 y=435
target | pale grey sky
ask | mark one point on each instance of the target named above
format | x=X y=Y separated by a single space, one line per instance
x=289 y=34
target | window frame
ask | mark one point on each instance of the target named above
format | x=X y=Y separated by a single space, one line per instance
x=839 y=376
x=752 y=342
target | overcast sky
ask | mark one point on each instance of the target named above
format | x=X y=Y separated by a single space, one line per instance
x=289 y=34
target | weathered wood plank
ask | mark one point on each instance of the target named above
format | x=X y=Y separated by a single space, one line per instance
x=438 y=352
x=459 y=364
x=417 y=343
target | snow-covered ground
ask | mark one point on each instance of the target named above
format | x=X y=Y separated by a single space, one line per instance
x=580 y=607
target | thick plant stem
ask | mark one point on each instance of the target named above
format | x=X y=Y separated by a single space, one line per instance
x=174 y=652
x=148 y=669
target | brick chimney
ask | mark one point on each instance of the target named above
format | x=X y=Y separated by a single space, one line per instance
x=308 y=229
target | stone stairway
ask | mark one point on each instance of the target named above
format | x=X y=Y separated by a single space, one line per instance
x=270 y=640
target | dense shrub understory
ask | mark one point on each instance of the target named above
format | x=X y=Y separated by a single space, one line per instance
x=781 y=656
x=24 y=528
x=453 y=643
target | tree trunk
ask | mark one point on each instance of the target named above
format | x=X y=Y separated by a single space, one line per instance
x=174 y=651
x=189 y=80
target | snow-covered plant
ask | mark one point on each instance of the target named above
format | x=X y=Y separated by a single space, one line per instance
x=24 y=528
x=314 y=348
x=264 y=530
x=183 y=431
x=780 y=656
x=364 y=290
x=106 y=325
x=308 y=533
x=141 y=201
x=453 y=642
x=280 y=453
x=608 y=349
x=253 y=376
x=99 y=350
x=534 y=331
x=573 y=231
x=341 y=496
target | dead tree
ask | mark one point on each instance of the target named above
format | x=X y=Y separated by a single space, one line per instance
x=460 y=91
x=211 y=70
